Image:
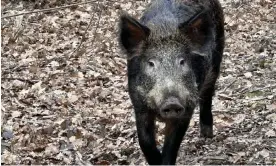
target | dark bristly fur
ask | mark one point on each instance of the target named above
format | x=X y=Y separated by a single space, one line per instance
x=174 y=54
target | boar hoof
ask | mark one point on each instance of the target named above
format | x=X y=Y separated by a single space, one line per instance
x=206 y=131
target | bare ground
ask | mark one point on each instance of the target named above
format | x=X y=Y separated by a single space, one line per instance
x=61 y=106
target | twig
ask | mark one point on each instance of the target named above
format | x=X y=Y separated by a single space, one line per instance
x=246 y=89
x=110 y=139
x=47 y=10
x=256 y=99
x=232 y=20
x=20 y=79
x=225 y=97
x=243 y=90
x=263 y=88
x=94 y=34
x=83 y=35
x=229 y=85
x=3 y=108
x=12 y=68
x=214 y=158
x=18 y=103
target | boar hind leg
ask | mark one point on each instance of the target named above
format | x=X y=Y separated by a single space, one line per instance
x=205 y=106
x=146 y=137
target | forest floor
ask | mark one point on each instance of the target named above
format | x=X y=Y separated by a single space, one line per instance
x=65 y=104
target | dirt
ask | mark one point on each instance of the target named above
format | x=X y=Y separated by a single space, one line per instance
x=64 y=97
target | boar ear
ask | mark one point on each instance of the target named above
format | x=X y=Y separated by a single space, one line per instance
x=199 y=29
x=132 y=33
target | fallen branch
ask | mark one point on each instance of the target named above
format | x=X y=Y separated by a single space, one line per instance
x=49 y=9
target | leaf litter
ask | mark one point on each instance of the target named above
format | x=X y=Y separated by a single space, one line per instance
x=64 y=108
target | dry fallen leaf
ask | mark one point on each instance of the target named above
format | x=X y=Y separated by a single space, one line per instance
x=118 y=111
x=72 y=98
x=248 y=75
x=264 y=153
x=271 y=117
x=16 y=114
x=51 y=149
x=270 y=133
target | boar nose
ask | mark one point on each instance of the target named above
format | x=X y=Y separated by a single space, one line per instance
x=171 y=107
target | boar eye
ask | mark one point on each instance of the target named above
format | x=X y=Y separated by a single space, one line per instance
x=151 y=63
x=181 y=62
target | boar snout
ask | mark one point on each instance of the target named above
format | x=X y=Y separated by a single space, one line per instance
x=171 y=108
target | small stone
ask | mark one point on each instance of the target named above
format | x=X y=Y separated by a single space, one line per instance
x=7 y=135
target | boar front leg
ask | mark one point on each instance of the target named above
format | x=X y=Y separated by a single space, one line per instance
x=173 y=137
x=145 y=123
